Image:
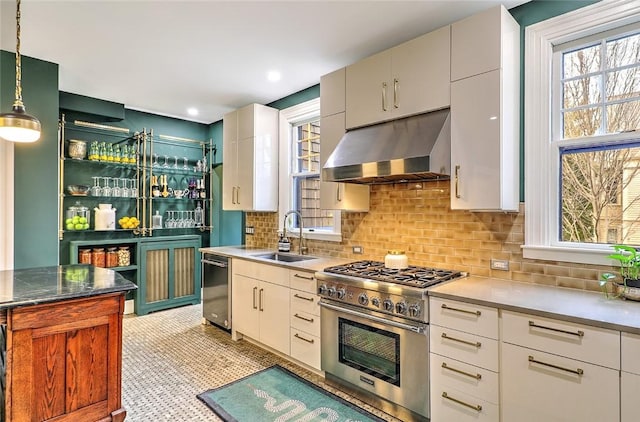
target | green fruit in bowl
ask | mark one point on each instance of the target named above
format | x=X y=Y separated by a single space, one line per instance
x=78 y=226
x=82 y=220
x=85 y=226
x=75 y=219
x=68 y=221
x=70 y=226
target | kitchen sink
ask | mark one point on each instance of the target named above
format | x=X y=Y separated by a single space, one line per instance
x=274 y=256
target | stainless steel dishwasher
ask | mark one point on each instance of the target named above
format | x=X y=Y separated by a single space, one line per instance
x=216 y=290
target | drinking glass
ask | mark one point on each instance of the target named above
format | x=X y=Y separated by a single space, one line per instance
x=126 y=193
x=170 y=223
x=185 y=166
x=96 y=190
x=155 y=161
x=175 y=161
x=116 y=191
x=134 y=188
x=166 y=161
x=106 y=190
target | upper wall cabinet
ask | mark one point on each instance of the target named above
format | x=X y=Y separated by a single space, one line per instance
x=250 y=157
x=485 y=112
x=408 y=79
x=336 y=196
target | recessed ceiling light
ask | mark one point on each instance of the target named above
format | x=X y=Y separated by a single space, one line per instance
x=274 y=76
x=192 y=111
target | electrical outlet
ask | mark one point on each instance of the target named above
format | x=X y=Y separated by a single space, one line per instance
x=357 y=249
x=249 y=230
x=500 y=264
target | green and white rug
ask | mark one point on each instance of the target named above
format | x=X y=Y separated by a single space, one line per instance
x=277 y=394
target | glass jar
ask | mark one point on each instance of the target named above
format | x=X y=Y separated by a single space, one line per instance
x=112 y=257
x=124 y=256
x=77 y=217
x=98 y=257
x=84 y=256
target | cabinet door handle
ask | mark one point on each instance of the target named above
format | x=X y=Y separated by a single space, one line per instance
x=338 y=196
x=303 y=318
x=470 y=406
x=238 y=195
x=576 y=371
x=461 y=372
x=233 y=195
x=296 y=275
x=395 y=92
x=302 y=338
x=578 y=333
x=260 y=301
x=255 y=289
x=384 y=96
x=464 y=311
x=310 y=299
x=470 y=343
x=457 y=181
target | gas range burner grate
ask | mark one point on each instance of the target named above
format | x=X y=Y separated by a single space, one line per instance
x=412 y=276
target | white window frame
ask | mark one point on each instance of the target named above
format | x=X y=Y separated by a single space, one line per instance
x=304 y=111
x=541 y=155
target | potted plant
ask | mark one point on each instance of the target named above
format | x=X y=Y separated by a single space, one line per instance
x=628 y=286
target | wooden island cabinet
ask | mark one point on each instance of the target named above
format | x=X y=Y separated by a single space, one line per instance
x=63 y=340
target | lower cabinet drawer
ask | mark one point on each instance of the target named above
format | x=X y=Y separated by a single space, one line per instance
x=305 y=348
x=451 y=405
x=539 y=386
x=305 y=322
x=472 y=380
x=465 y=347
x=304 y=301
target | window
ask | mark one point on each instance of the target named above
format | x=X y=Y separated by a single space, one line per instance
x=300 y=143
x=582 y=133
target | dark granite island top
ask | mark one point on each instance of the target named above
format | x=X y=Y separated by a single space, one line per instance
x=62 y=335
x=33 y=286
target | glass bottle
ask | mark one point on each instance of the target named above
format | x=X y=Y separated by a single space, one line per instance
x=110 y=152
x=156 y=222
x=103 y=151
x=116 y=154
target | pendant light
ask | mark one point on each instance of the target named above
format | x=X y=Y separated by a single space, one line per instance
x=18 y=126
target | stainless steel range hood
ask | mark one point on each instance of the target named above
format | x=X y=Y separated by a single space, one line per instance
x=414 y=148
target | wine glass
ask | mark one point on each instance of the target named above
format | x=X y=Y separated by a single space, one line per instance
x=125 y=190
x=106 y=190
x=96 y=190
x=134 y=188
x=116 y=192
x=155 y=161
x=175 y=161
x=166 y=161
x=185 y=165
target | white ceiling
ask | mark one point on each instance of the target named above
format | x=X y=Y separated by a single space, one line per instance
x=166 y=56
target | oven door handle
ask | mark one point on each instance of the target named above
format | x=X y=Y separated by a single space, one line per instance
x=413 y=328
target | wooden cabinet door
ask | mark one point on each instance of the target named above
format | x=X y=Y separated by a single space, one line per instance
x=64 y=361
x=230 y=160
x=273 y=305
x=420 y=74
x=244 y=306
x=369 y=90
x=245 y=175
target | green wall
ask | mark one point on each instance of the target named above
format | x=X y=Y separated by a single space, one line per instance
x=36 y=165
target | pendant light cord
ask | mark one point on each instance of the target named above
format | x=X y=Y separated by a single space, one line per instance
x=18 y=101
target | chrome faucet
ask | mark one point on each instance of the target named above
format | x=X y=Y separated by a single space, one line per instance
x=301 y=249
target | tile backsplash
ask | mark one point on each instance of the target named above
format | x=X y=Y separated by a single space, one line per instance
x=417 y=218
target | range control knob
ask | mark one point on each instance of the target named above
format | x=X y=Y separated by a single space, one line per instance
x=388 y=305
x=375 y=302
x=322 y=289
x=401 y=307
x=414 y=310
x=341 y=293
x=363 y=299
x=331 y=291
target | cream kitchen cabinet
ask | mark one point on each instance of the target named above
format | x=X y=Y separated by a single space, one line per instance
x=558 y=371
x=485 y=118
x=250 y=157
x=630 y=377
x=408 y=79
x=260 y=304
x=305 y=318
x=464 y=361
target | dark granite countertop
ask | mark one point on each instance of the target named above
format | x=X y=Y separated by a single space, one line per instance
x=51 y=284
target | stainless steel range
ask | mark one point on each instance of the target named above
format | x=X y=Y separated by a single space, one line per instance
x=375 y=337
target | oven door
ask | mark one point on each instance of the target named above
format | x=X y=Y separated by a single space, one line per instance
x=386 y=356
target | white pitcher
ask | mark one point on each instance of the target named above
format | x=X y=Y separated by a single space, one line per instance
x=105 y=217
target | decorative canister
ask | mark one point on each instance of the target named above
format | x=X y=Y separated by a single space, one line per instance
x=98 y=257
x=124 y=256
x=112 y=257
x=396 y=260
x=105 y=217
x=77 y=149
x=84 y=256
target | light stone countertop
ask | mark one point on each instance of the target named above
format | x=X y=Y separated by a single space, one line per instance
x=574 y=305
x=242 y=252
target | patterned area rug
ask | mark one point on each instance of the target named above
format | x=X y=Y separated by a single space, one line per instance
x=277 y=394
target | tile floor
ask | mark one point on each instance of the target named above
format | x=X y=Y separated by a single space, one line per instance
x=169 y=357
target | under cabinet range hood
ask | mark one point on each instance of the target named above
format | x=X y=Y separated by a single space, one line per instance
x=415 y=148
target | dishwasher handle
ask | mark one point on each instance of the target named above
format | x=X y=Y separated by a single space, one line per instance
x=216 y=263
